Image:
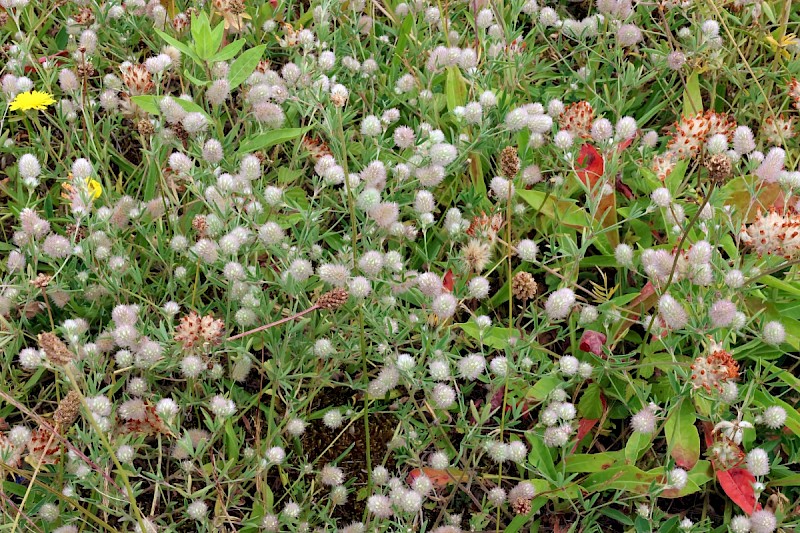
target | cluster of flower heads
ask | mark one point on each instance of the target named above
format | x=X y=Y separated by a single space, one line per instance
x=774 y=233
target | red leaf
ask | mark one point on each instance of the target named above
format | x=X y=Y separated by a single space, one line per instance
x=593 y=342
x=738 y=485
x=439 y=478
x=585 y=425
x=448 y=281
x=590 y=165
x=623 y=189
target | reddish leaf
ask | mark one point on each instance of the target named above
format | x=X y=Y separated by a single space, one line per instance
x=738 y=485
x=44 y=59
x=448 y=282
x=623 y=189
x=593 y=342
x=590 y=165
x=624 y=144
x=585 y=425
x=439 y=478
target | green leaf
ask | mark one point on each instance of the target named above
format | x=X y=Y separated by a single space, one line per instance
x=493 y=336
x=775 y=283
x=540 y=456
x=590 y=405
x=150 y=104
x=591 y=462
x=244 y=65
x=542 y=388
x=217 y=34
x=637 y=444
x=556 y=209
x=682 y=436
x=62 y=38
x=196 y=81
x=203 y=39
x=269 y=139
x=183 y=47
x=228 y=52
x=692 y=100
x=147 y=102
x=455 y=89
x=191 y=107
x=627 y=478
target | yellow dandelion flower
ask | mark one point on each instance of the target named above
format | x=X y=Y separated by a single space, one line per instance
x=94 y=188
x=31 y=100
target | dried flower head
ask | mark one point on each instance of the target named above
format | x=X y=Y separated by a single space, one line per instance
x=194 y=329
x=67 y=411
x=712 y=371
x=719 y=168
x=332 y=300
x=523 y=286
x=509 y=162
x=55 y=350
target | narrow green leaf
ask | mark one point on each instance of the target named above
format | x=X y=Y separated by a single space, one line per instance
x=775 y=283
x=591 y=462
x=455 y=88
x=196 y=81
x=269 y=139
x=191 y=107
x=203 y=39
x=692 y=100
x=228 y=52
x=217 y=34
x=244 y=65
x=183 y=47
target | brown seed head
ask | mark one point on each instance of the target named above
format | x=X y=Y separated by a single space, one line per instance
x=145 y=127
x=719 y=168
x=67 y=411
x=55 y=350
x=523 y=287
x=521 y=506
x=509 y=162
x=41 y=281
x=333 y=299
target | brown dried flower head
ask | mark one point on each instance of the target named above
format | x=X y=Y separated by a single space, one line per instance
x=333 y=299
x=713 y=370
x=194 y=330
x=55 y=350
x=145 y=127
x=509 y=162
x=719 y=168
x=41 y=281
x=523 y=286
x=67 y=411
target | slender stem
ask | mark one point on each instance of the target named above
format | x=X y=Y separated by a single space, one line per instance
x=678 y=254
x=273 y=324
x=30 y=485
x=353 y=245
